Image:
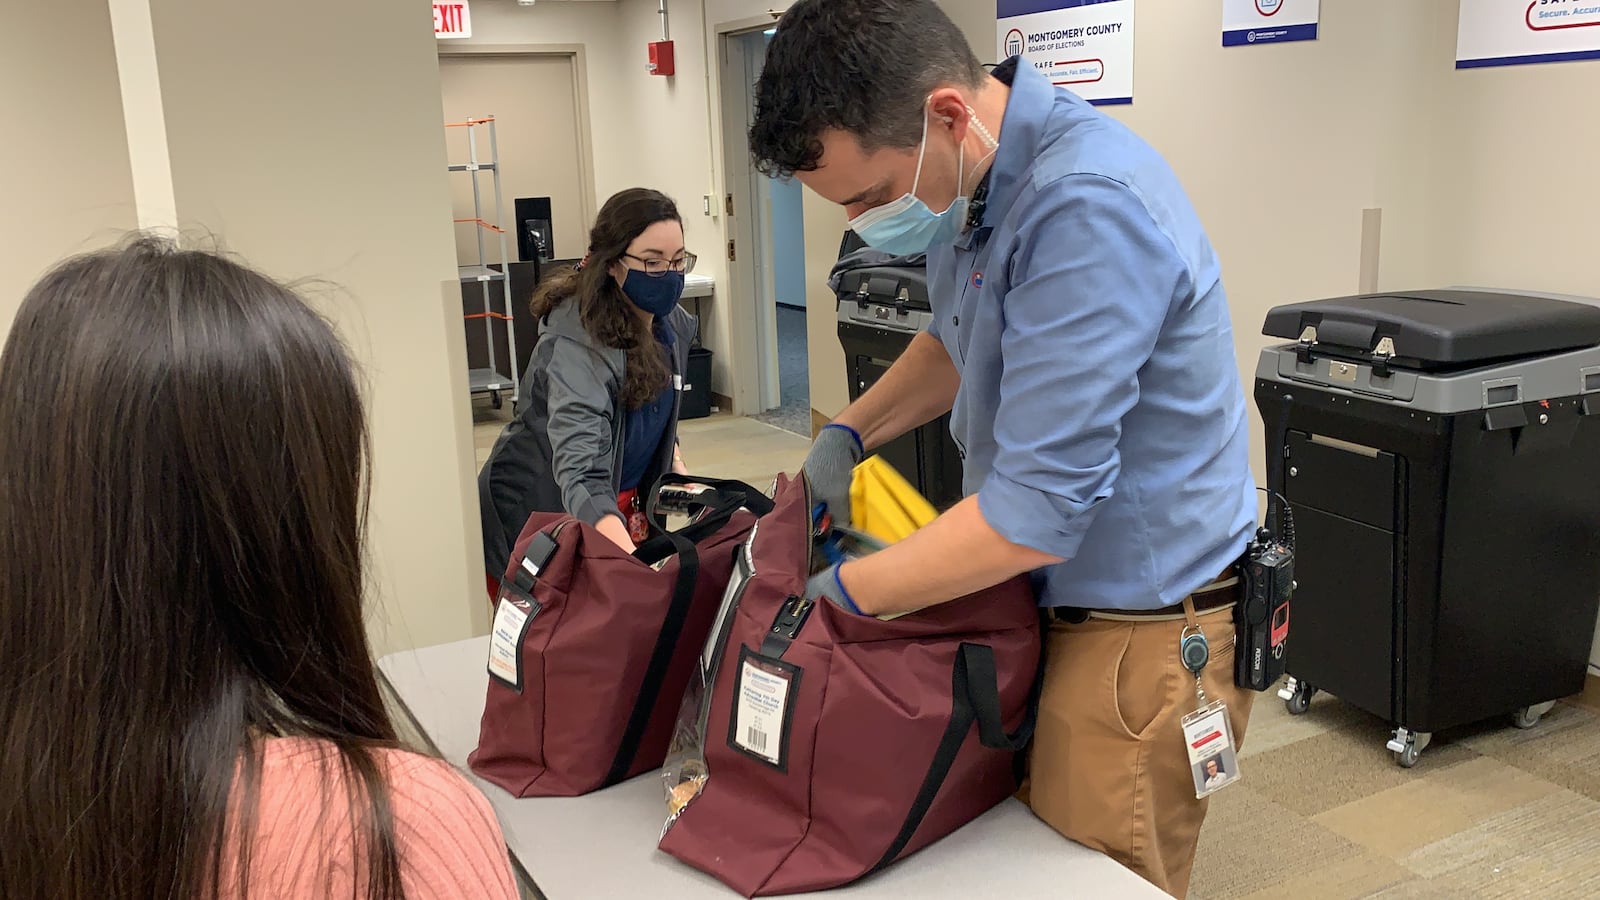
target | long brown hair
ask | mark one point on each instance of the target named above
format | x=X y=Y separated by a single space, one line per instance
x=183 y=469
x=609 y=317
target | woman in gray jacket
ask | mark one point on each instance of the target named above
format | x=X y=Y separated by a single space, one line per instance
x=597 y=421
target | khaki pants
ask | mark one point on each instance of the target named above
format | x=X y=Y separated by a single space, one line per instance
x=1108 y=767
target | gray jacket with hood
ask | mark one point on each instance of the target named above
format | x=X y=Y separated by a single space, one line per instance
x=563 y=451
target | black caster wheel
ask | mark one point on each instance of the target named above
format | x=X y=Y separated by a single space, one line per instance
x=1300 y=701
x=1407 y=746
x=495 y=401
x=1529 y=716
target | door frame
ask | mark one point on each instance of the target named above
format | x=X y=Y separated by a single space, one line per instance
x=754 y=269
x=744 y=315
x=575 y=57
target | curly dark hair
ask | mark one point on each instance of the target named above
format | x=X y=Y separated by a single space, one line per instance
x=608 y=315
x=846 y=64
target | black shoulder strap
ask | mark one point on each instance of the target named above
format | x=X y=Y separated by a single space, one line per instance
x=975 y=697
x=660 y=657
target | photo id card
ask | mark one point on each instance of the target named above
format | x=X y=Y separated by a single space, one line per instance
x=1208 y=737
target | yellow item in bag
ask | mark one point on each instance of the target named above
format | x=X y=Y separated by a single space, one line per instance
x=883 y=504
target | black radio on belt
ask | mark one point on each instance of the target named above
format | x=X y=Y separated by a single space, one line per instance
x=1262 y=614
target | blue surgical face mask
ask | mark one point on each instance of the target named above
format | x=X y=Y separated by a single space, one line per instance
x=655 y=294
x=906 y=226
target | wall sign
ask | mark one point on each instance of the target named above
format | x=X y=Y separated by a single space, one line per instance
x=1515 y=32
x=452 y=20
x=1247 y=23
x=1084 y=45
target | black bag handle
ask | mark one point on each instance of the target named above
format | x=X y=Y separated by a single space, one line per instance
x=724 y=498
x=975 y=698
x=661 y=656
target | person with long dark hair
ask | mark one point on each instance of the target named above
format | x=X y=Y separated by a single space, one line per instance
x=598 y=418
x=188 y=706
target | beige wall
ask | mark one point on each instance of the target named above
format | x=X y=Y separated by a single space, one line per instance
x=317 y=152
x=667 y=123
x=65 y=182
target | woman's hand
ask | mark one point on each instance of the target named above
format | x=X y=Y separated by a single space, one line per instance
x=617 y=531
x=678 y=468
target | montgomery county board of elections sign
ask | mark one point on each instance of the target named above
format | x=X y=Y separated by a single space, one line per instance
x=1249 y=23
x=1514 y=32
x=1085 y=45
x=452 y=20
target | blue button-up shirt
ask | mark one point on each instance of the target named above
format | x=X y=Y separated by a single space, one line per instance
x=1100 y=415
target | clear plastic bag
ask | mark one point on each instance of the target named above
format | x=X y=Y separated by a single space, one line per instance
x=684 y=774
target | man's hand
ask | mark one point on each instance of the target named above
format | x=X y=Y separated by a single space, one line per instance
x=957 y=554
x=829 y=468
x=826 y=585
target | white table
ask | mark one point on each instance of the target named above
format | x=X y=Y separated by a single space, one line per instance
x=603 y=845
x=696 y=286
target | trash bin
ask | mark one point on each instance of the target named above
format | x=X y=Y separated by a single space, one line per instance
x=696 y=400
x=1440 y=453
x=881 y=308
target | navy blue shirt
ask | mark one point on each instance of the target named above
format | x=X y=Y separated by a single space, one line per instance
x=644 y=427
x=1101 y=414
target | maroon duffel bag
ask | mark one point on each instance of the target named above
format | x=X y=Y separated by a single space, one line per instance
x=830 y=745
x=592 y=647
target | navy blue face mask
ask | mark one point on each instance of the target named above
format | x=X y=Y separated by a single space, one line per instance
x=655 y=294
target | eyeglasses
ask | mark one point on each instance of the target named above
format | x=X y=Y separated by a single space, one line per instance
x=658 y=267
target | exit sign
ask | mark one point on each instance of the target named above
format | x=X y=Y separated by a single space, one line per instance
x=452 y=20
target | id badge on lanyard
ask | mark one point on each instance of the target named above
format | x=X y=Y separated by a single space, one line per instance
x=1207 y=732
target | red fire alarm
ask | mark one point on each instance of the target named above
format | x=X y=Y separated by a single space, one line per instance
x=661 y=58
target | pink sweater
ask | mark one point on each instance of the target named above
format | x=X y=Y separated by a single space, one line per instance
x=449 y=842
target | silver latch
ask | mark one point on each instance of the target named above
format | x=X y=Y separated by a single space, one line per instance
x=1381 y=355
x=1308 y=338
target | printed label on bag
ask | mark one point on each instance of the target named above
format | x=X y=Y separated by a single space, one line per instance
x=1208 y=737
x=762 y=706
x=511 y=620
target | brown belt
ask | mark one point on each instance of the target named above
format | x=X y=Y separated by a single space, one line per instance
x=1223 y=591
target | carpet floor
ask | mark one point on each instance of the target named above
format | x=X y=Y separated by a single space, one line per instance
x=1323 y=811
x=794 y=379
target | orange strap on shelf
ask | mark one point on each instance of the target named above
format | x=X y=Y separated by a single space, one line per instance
x=487 y=225
x=469 y=122
x=489 y=315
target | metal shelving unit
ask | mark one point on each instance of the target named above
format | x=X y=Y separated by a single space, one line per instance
x=490 y=380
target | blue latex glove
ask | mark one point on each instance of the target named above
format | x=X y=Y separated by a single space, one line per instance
x=829 y=468
x=826 y=584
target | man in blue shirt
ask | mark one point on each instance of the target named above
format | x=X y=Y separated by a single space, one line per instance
x=1082 y=340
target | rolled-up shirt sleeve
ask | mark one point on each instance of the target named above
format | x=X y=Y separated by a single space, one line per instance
x=1091 y=279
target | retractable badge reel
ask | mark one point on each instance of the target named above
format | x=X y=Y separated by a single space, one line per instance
x=1207 y=733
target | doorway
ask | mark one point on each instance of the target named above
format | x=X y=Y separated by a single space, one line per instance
x=536 y=94
x=767 y=264
x=534 y=99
